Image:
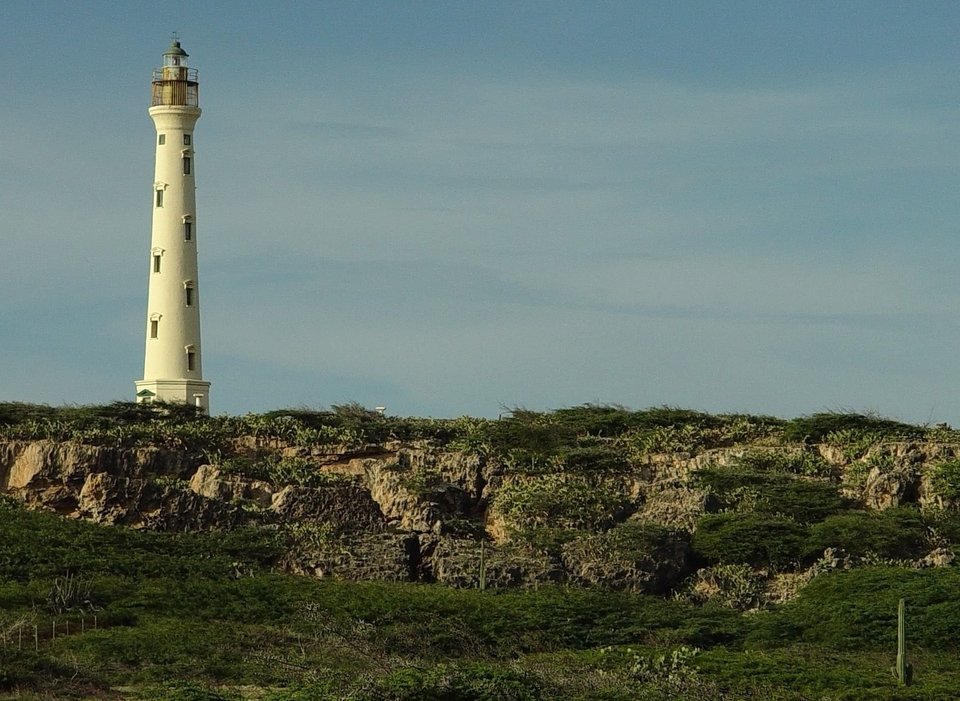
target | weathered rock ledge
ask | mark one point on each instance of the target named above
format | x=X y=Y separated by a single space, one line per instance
x=420 y=512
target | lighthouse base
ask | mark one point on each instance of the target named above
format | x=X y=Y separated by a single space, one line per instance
x=192 y=392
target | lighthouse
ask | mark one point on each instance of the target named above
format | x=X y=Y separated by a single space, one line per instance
x=172 y=367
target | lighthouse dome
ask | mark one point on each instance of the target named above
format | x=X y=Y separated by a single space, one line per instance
x=175 y=49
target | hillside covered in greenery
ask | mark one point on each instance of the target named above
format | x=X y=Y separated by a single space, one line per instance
x=586 y=553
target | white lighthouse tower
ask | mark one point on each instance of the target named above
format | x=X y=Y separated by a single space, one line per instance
x=172 y=369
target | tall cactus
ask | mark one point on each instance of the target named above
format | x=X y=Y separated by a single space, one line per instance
x=903 y=670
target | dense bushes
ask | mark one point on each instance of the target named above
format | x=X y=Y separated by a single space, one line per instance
x=466 y=682
x=750 y=538
x=763 y=540
x=805 y=463
x=38 y=545
x=857 y=609
x=633 y=556
x=559 y=501
x=177 y=617
x=801 y=499
x=945 y=480
x=893 y=533
x=816 y=427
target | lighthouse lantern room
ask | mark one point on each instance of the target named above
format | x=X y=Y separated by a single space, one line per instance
x=172 y=370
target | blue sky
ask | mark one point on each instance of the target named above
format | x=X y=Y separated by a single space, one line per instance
x=450 y=208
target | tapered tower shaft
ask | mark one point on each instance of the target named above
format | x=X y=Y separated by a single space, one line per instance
x=172 y=367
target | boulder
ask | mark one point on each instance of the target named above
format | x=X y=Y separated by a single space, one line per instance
x=210 y=482
x=885 y=489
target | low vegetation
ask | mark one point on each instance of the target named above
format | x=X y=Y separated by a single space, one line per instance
x=802 y=523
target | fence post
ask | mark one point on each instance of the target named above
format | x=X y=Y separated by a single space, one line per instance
x=483 y=566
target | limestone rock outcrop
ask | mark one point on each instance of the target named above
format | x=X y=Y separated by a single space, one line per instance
x=419 y=511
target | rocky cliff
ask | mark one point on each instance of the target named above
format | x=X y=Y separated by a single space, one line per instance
x=599 y=512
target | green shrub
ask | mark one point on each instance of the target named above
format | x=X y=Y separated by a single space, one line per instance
x=537 y=436
x=697 y=432
x=544 y=539
x=529 y=436
x=467 y=682
x=40 y=545
x=749 y=538
x=944 y=525
x=635 y=556
x=805 y=464
x=736 y=586
x=423 y=482
x=945 y=480
x=599 y=457
x=815 y=427
x=854 y=475
x=280 y=471
x=596 y=419
x=559 y=501
x=856 y=442
x=798 y=498
x=857 y=610
x=183 y=691
x=20 y=668
x=685 y=438
x=893 y=533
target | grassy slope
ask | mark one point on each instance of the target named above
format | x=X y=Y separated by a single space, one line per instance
x=180 y=611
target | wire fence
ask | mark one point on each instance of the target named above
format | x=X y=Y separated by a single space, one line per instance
x=27 y=632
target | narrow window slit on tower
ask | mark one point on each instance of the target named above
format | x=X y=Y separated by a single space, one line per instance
x=161 y=139
x=156 y=263
x=159 y=198
x=188 y=293
x=186 y=165
x=191 y=360
x=187 y=230
x=186 y=139
x=154 y=328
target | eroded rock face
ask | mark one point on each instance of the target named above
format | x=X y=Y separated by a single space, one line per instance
x=210 y=482
x=417 y=512
x=166 y=505
x=344 y=507
x=106 y=499
x=100 y=483
x=29 y=465
x=464 y=471
x=885 y=489
x=414 y=493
